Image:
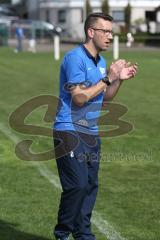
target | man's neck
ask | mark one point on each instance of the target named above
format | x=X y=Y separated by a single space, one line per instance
x=91 y=49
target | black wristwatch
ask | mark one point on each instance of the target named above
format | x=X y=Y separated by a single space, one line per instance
x=106 y=80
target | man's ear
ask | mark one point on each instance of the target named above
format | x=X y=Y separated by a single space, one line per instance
x=90 y=33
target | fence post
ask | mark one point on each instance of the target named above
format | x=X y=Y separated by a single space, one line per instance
x=56 y=47
x=116 y=47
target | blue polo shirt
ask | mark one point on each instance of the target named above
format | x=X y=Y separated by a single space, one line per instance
x=79 y=67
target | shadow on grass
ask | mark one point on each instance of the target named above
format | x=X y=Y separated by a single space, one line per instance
x=8 y=231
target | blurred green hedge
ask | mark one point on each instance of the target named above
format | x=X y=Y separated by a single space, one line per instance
x=145 y=38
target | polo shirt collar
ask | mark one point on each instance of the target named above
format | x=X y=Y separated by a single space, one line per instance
x=95 y=60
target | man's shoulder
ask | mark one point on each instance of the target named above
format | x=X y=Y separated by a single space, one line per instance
x=74 y=56
x=77 y=52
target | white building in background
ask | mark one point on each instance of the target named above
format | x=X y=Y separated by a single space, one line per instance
x=27 y=8
x=70 y=14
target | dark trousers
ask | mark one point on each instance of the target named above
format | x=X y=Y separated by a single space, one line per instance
x=19 y=44
x=77 y=157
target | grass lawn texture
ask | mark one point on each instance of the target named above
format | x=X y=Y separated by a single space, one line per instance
x=129 y=176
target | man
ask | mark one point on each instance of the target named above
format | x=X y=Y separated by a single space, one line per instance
x=19 y=35
x=84 y=85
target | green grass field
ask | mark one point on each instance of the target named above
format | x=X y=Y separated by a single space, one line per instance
x=129 y=177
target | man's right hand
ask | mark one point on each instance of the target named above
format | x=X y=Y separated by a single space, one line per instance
x=121 y=70
x=115 y=69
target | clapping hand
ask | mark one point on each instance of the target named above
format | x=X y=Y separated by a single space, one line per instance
x=122 y=70
x=128 y=71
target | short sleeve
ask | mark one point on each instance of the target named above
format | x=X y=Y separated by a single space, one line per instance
x=74 y=69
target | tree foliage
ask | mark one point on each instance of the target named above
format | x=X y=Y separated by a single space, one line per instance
x=105 y=7
x=128 y=17
x=88 y=7
x=5 y=1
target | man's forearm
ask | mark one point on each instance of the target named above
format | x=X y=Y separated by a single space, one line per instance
x=112 y=90
x=81 y=94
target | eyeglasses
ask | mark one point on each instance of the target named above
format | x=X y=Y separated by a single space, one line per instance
x=105 y=31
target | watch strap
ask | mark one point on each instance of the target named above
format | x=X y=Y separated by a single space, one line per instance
x=106 y=80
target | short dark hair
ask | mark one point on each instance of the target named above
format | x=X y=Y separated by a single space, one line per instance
x=93 y=17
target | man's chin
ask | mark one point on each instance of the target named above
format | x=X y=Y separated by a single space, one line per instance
x=104 y=48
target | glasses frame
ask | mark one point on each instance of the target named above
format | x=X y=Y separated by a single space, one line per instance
x=105 y=31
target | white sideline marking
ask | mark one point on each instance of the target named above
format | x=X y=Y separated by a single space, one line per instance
x=45 y=172
x=102 y=225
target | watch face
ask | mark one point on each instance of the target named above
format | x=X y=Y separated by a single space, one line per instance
x=106 y=80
